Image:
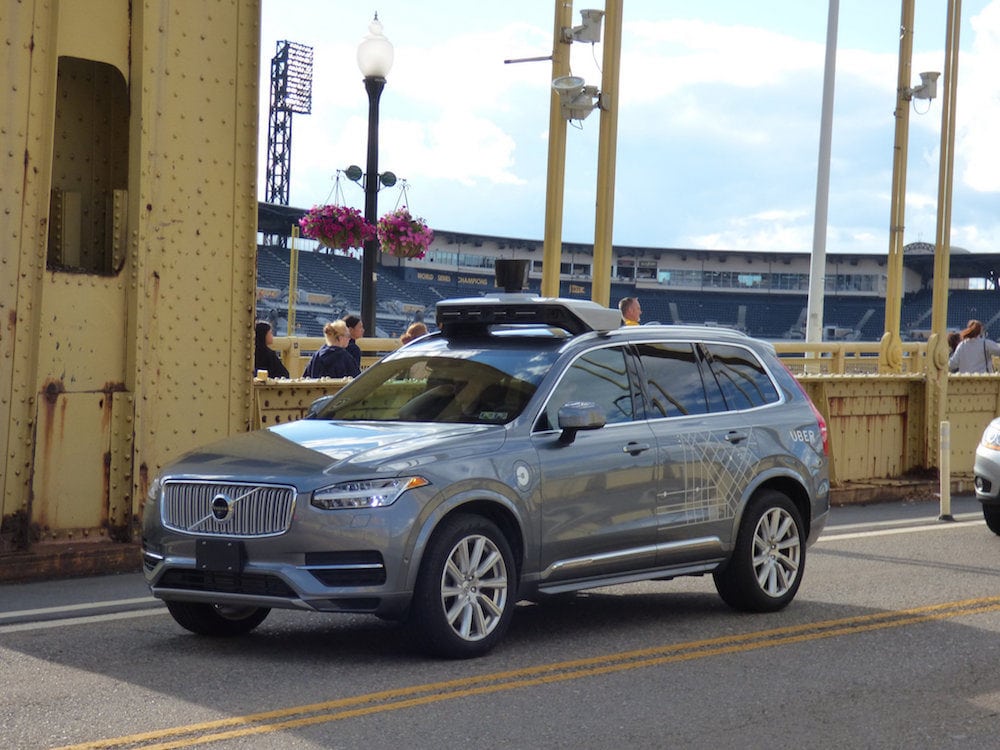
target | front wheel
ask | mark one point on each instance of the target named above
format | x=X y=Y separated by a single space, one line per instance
x=216 y=619
x=465 y=592
x=991 y=514
x=767 y=564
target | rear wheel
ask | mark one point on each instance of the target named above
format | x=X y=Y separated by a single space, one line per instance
x=216 y=619
x=465 y=592
x=769 y=559
x=991 y=513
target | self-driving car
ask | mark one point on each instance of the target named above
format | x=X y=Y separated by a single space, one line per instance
x=529 y=447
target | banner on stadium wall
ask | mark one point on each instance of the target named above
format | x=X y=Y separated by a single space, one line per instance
x=463 y=280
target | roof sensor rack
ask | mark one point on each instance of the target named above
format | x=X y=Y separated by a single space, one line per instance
x=475 y=315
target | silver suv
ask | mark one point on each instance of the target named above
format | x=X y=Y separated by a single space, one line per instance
x=531 y=447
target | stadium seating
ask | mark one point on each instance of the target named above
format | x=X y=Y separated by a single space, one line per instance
x=400 y=300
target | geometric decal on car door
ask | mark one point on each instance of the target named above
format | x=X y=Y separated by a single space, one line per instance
x=713 y=473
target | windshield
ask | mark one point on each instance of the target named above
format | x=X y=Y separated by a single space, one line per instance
x=480 y=381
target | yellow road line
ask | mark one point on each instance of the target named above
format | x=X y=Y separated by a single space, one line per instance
x=419 y=695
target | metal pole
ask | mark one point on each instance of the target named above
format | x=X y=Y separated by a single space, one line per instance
x=937 y=346
x=607 y=143
x=944 y=474
x=374 y=86
x=817 y=267
x=556 y=171
x=890 y=355
x=293 y=281
x=946 y=170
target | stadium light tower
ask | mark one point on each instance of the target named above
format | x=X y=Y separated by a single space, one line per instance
x=291 y=93
x=375 y=55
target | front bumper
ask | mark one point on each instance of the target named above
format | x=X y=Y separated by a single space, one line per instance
x=271 y=585
x=986 y=471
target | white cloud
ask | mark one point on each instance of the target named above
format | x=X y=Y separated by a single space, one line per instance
x=979 y=107
x=777 y=230
x=683 y=53
x=459 y=145
x=468 y=71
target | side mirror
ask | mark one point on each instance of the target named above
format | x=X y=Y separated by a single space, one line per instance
x=318 y=405
x=579 y=415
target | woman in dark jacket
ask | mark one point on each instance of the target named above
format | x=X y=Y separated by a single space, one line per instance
x=264 y=357
x=333 y=360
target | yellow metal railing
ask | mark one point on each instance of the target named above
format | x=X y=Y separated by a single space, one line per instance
x=849 y=357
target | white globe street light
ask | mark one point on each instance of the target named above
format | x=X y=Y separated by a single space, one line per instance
x=375 y=56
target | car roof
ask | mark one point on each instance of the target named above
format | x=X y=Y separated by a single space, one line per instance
x=701 y=333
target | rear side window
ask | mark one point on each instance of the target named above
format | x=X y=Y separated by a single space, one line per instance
x=741 y=377
x=673 y=380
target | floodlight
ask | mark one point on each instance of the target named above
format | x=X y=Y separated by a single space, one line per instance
x=577 y=100
x=927 y=88
x=590 y=31
x=568 y=87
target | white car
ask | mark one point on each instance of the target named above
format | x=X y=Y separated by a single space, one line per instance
x=987 y=473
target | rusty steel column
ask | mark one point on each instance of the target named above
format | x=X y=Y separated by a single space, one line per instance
x=131 y=147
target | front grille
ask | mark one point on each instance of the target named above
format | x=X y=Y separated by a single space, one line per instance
x=254 y=584
x=231 y=510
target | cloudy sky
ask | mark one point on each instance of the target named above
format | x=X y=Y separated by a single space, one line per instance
x=718 y=130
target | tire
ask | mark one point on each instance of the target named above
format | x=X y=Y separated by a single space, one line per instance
x=216 y=619
x=991 y=514
x=465 y=593
x=769 y=558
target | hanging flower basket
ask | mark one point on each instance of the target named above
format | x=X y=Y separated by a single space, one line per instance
x=337 y=227
x=404 y=236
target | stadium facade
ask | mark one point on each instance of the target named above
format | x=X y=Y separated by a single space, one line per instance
x=763 y=293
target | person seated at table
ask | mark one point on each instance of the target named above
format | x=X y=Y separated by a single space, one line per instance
x=264 y=357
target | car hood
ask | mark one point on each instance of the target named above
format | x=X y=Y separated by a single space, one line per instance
x=312 y=447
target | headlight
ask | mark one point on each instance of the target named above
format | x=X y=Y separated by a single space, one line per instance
x=365 y=493
x=991 y=438
x=153 y=495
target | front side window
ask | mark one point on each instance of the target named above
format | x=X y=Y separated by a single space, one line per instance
x=741 y=377
x=599 y=376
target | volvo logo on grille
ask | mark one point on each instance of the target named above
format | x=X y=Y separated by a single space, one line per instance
x=222 y=507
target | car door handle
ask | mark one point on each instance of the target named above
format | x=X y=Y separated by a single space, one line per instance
x=635 y=448
x=735 y=437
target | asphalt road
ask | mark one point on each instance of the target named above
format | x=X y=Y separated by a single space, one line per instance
x=891 y=643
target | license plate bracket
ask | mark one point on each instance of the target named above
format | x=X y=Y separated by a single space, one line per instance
x=220 y=555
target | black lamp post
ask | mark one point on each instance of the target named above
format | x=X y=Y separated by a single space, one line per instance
x=374 y=59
